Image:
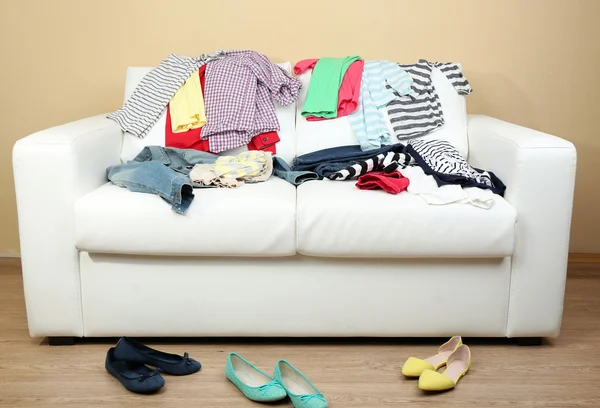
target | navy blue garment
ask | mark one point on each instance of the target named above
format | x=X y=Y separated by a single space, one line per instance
x=163 y=171
x=496 y=185
x=329 y=161
x=136 y=377
x=133 y=351
x=282 y=170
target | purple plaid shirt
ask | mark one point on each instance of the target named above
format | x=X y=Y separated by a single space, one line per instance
x=238 y=98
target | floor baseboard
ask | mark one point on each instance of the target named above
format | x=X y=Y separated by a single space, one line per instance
x=578 y=258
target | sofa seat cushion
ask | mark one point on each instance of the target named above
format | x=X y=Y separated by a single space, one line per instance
x=252 y=220
x=337 y=219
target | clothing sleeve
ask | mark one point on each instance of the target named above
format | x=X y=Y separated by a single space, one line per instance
x=283 y=87
x=305 y=65
x=397 y=78
x=260 y=142
x=455 y=76
x=149 y=99
x=421 y=75
x=375 y=79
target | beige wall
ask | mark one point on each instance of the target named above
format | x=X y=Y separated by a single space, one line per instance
x=533 y=62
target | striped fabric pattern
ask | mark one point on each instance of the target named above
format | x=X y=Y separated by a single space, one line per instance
x=455 y=76
x=421 y=112
x=381 y=80
x=145 y=106
x=245 y=165
x=386 y=162
x=443 y=158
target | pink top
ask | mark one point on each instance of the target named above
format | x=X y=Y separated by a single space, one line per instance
x=305 y=65
x=349 y=90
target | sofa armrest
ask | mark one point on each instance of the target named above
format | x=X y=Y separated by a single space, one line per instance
x=539 y=172
x=53 y=168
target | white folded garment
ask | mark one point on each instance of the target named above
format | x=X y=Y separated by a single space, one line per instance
x=427 y=188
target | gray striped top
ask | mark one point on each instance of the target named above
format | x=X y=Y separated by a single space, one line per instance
x=412 y=116
x=149 y=99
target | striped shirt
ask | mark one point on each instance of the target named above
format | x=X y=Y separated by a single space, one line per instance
x=441 y=160
x=421 y=112
x=386 y=162
x=380 y=81
x=149 y=99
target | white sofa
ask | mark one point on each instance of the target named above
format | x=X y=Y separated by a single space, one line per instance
x=323 y=259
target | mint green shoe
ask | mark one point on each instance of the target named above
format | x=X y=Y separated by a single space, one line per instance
x=301 y=391
x=252 y=382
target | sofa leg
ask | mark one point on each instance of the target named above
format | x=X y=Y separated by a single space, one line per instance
x=61 y=341
x=529 y=341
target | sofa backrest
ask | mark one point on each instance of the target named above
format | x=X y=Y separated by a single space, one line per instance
x=132 y=145
x=312 y=136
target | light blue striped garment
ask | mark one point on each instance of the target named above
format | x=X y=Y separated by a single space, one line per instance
x=367 y=121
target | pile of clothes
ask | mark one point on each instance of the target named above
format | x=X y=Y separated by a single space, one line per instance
x=361 y=89
x=214 y=102
x=223 y=100
x=432 y=169
x=172 y=173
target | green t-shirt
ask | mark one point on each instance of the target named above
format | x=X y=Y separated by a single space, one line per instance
x=322 y=95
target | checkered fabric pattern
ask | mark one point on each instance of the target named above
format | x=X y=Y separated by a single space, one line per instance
x=149 y=99
x=238 y=97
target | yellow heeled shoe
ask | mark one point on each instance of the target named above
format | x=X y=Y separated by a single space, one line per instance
x=459 y=363
x=413 y=367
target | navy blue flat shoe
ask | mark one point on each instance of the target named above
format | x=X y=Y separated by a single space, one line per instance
x=135 y=377
x=130 y=350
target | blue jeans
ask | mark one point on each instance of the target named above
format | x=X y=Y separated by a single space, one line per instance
x=180 y=160
x=163 y=171
x=282 y=170
x=328 y=161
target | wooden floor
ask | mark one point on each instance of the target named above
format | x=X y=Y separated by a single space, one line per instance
x=565 y=372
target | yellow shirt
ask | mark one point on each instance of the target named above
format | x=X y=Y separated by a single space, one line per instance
x=187 y=106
